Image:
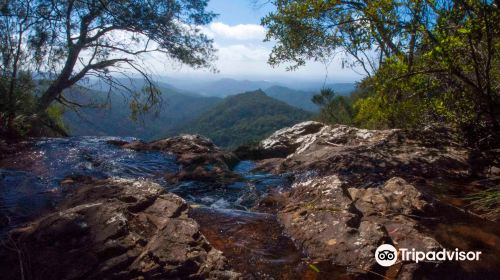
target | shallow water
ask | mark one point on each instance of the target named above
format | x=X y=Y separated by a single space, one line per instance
x=29 y=179
x=240 y=195
x=254 y=243
x=255 y=246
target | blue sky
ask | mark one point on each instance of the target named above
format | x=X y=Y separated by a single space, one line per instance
x=238 y=11
x=238 y=36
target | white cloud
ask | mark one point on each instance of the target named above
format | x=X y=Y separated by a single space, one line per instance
x=243 y=52
x=242 y=32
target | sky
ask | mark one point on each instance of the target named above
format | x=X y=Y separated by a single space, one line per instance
x=242 y=54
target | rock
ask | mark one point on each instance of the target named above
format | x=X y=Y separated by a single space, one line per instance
x=282 y=143
x=137 y=146
x=117 y=142
x=356 y=189
x=73 y=180
x=112 y=229
x=200 y=159
x=13 y=146
x=330 y=221
x=359 y=154
x=397 y=196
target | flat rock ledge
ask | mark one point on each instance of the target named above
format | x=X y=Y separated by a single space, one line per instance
x=353 y=153
x=114 y=229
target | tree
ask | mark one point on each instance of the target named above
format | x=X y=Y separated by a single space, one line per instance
x=64 y=41
x=434 y=57
x=334 y=109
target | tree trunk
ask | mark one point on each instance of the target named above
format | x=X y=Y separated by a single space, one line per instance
x=61 y=83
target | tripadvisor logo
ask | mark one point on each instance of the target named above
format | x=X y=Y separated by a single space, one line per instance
x=387 y=255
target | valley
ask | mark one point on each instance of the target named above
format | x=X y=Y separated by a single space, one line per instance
x=183 y=111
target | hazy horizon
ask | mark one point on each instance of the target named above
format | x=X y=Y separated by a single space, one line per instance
x=242 y=54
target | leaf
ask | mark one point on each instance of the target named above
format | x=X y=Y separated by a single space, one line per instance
x=313 y=267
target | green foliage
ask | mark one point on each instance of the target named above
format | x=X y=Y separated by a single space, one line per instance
x=66 y=41
x=55 y=114
x=144 y=101
x=16 y=111
x=334 y=109
x=392 y=101
x=487 y=200
x=244 y=118
x=16 y=108
x=425 y=61
x=181 y=108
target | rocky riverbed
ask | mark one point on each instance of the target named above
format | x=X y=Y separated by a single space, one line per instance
x=356 y=189
x=309 y=202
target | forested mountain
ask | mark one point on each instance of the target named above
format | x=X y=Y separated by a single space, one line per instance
x=297 y=98
x=244 y=118
x=177 y=107
x=303 y=98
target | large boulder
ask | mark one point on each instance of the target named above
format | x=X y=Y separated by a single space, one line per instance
x=114 y=229
x=360 y=154
x=281 y=143
x=330 y=221
x=199 y=158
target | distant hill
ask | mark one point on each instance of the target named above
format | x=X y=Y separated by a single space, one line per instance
x=226 y=87
x=177 y=107
x=298 y=98
x=244 y=118
x=229 y=122
x=302 y=98
x=138 y=84
x=342 y=88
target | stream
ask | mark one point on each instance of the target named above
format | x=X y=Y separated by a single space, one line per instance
x=253 y=242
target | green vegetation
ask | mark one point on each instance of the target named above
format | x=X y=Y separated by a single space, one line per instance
x=303 y=99
x=228 y=122
x=296 y=98
x=65 y=41
x=180 y=107
x=244 y=118
x=487 y=200
x=16 y=111
x=425 y=61
x=334 y=109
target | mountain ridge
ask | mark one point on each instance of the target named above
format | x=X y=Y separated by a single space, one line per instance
x=243 y=118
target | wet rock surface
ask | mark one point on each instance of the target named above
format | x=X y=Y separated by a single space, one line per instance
x=199 y=158
x=356 y=189
x=114 y=229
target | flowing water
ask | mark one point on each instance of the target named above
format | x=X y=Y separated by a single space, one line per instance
x=30 y=185
x=253 y=242
x=29 y=179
